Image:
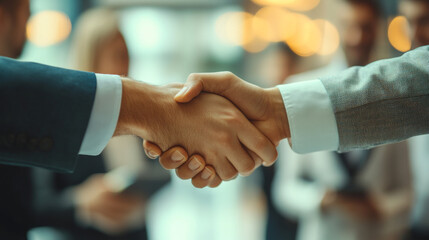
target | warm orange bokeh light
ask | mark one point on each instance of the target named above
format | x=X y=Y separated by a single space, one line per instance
x=297 y=5
x=330 y=37
x=274 y=2
x=303 y=5
x=308 y=39
x=232 y=28
x=398 y=34
x=256 y=44
x=48 y=28
x=281 y=24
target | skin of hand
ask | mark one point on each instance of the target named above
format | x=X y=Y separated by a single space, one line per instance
x=210 y=126
x=360 y=208
x=105 y=210
x=329 y=199
x=202 y=175
x=264 y=107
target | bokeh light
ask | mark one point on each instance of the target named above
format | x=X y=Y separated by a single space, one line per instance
x=235 y=28
x=330 y=37
x=274 y=2
x=48 y=28
x=398 y=34
x=308 y=38
x=281 y=24
x=253 y=27
x=297 y=5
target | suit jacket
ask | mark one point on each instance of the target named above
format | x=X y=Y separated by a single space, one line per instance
x=303 y=179
x=16 y=209
x=386 y=101
x=44 y=114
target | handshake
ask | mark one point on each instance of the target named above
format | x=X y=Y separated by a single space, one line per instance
x=210 y=129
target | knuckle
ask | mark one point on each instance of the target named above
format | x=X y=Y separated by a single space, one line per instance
x=248 y=167
x=164 y=164
x=230 y=175
x=215 y=183
x=228 y=74
x=261 y=142
x=234 y=119
x=182 y=174
x=198 y=184
x=225 y=137
x=194 y=77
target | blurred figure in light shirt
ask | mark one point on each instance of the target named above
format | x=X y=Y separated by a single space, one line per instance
x=417 y=14
x=360 y=195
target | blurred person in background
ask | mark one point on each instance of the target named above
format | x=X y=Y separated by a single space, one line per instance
x=280 y=63
x=83 y=205
x=359 y=24
x=362 y=194
x=16 y=213
x=417 y=14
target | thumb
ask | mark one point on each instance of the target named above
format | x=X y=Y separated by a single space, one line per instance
x=216 y=83
x=191 y=90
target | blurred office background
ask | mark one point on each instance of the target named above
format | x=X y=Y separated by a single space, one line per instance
x=169 y=39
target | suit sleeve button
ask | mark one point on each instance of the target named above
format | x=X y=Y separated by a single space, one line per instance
x=46 y=144
x=21 y=140
x=32 y=144
x=10 y=140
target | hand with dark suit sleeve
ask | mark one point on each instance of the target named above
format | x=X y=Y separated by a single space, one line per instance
x=50 y=112
x=44 y=114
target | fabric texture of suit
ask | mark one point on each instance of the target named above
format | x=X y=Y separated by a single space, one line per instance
x=386 y=101
x=45 y=112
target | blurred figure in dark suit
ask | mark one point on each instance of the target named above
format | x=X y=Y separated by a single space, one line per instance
x=16 y=216
x=87 y=204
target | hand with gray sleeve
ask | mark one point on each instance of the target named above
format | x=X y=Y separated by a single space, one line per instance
x=384 y=102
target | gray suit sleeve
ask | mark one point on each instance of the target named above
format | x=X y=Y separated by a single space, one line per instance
x=384 y=102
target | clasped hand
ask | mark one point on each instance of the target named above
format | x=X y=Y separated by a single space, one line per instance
x=227 y=125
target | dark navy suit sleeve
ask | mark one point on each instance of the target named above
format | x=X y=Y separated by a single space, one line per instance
x=44 y=113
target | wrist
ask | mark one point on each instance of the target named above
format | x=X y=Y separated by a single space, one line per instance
x=278 y=113
x=134 y=95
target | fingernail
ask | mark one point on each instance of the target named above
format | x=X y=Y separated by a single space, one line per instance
x=153 y=154
x=265 y=164
x=206 y=174
x=183 y=91
x=177 y=156
x=194 y=164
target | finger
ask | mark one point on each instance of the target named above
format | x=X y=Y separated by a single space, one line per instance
x=208 y=82
x=241 y=159
x=151 y=149
x=173 y=158
x=112 y=207
x=256 y=158
x=215 y=182
x=255 y=141
x=224 y=169
x=191 y=168
x=204 y=178
x=258 y=162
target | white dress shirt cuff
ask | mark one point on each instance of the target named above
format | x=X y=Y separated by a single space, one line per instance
x=104 y=115
x=311 y=118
